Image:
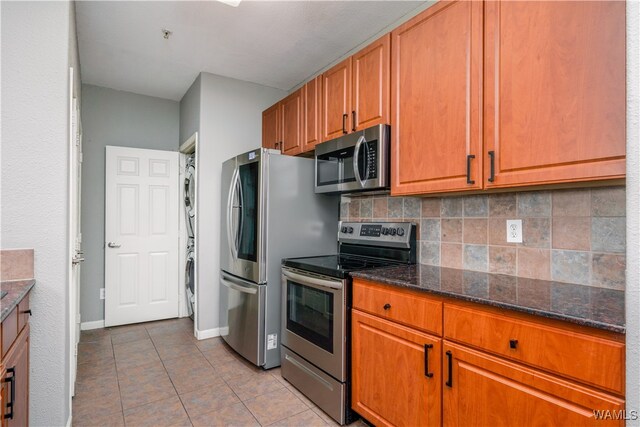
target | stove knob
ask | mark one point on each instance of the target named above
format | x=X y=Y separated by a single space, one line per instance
x=349 y=230
x=400 y=231
x=392 y=231
x=385 y=231
x=343 y=229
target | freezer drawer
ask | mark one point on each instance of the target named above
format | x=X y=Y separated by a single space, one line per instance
x=242 y=306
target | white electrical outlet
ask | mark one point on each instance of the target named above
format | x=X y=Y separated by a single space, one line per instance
x=101 y=293
x=514 y=230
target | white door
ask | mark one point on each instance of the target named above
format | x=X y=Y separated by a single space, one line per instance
x=141 y=235
x=75 y=236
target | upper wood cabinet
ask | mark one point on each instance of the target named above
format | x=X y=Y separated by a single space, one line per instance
x=336 y=100
x=291 y=123
x=355 y=92
x=271 y=127
x=554 y=92
x=371 y=84
x=312 y=96
x=508 y=94
x=436 y=107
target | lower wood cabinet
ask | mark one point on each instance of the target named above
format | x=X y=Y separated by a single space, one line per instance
x=483 y=390
x=492 y=368
x=15 y=383
x=396 y=373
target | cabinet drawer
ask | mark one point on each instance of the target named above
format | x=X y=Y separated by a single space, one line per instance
x=402 y=306
x=9 y=330
x=587 y=358
x=23 y=312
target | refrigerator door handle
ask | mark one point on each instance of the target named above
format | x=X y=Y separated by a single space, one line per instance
x=236 y=285
x=231 y=238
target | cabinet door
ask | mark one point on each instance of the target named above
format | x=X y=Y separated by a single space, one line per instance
x=17 y=367
x=336 y=100
x=371 y=84
x=554 y=91
x=436 y=103
x=487 y=391
x=271 y=127
x=291 y=123
x=312 y=97
x=389 y=367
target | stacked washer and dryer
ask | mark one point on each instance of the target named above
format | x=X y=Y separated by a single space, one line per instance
x=190 y=212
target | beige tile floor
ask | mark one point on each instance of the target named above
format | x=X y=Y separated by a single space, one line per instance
x=158 y=374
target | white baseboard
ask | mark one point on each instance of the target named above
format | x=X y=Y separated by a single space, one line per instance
x=208 y=333
x=96 y=324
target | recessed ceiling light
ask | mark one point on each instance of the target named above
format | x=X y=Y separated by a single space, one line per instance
x=233 y=3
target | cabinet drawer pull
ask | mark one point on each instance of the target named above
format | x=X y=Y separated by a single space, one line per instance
x=387 y=306
x=469 y=158
x=449 y=382
x=492 y=166
x=28 y=312
x=426 y=361
x=12 y=380
x=353 y=120
x=513 y=344
x=344 y=123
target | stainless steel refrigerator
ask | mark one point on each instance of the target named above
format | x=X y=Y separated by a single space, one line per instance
x=269 y=212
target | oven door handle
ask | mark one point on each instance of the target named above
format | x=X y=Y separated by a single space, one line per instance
x=356 y=168
x=301 y=278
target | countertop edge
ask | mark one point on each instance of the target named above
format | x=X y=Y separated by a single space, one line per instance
x=28 y=284
x=370 y=276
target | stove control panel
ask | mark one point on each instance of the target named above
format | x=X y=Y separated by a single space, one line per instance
x=393 y=234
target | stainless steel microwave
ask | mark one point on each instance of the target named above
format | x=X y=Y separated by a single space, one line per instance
x=355 y=162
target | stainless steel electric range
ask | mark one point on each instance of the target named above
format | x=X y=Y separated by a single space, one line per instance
x=316 y=351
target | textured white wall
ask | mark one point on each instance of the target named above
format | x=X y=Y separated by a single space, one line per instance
x=230 y=124
x=36 y=54
x=632 y=291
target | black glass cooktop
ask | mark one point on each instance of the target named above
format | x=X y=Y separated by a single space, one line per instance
x=335 y=265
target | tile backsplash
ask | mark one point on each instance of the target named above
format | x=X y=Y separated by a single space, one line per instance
x=16 y=264
x=572 y=236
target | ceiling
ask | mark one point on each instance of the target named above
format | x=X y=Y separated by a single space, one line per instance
x=277 y=44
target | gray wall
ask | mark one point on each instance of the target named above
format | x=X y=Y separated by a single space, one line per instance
x=38 y=47
x=230 y=123
x=111 y=117
x=190 y=111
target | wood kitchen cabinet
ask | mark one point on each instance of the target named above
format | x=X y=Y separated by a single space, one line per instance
x=271 y=127
x=291 y=112
x=395 y=373
x=484 y=390
x=436 y=107
x=554 y=92
x=501 y=94
x=14 y=367
x=355 y=92
x=312 y=98
x=336 y=100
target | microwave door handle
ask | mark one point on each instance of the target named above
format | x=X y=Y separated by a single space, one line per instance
x=356 y=153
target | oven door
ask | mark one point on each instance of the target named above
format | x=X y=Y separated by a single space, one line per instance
x=314 y=319
x=354 y=162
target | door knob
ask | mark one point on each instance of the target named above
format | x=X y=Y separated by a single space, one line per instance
x=113 y=245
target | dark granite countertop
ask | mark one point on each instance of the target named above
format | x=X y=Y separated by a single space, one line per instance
x=583 y=305
x=16 y=290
